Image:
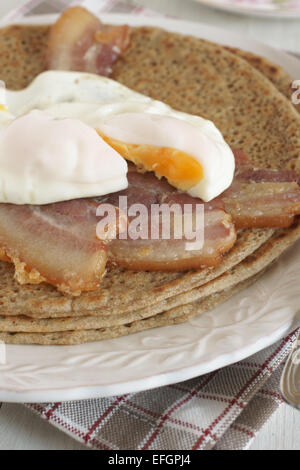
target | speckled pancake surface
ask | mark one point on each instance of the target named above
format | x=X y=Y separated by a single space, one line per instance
x=245 y=101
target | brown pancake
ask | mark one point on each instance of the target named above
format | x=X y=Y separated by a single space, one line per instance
x=174 y=317
x=194 y=76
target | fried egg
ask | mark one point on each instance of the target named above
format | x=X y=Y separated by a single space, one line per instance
x=186 y=149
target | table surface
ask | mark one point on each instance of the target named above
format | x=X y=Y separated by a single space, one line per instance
x=19 y=427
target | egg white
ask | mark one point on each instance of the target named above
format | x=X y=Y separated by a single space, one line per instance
x=131 y=117
x=45 y=160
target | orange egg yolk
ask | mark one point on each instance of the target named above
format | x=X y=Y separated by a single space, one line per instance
x=180 y=169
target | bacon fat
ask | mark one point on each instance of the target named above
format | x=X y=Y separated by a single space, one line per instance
x=78 y=41
x=261 y=197
x=55 y=243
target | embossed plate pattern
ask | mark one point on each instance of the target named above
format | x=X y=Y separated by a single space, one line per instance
x=252 y=320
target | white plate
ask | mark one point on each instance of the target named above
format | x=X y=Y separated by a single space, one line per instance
x=251 y=321
x=289 y=9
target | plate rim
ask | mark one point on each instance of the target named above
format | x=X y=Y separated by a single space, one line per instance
x=164 y=378
x=142 y=384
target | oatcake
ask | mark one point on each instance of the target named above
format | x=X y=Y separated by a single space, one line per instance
x=194 y=76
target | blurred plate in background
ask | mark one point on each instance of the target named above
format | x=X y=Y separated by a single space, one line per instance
x=266 y=8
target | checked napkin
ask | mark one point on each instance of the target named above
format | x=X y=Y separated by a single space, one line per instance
x=221 y=410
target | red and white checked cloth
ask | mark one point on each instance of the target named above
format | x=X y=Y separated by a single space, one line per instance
x=222 y=410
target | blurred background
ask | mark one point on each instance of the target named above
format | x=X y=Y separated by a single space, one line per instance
x=275 y=22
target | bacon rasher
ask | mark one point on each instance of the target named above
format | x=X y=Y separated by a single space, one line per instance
x=79 y=41
x=55 y=243
x=261 y=197
x=257 y=198
x=169 y=254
